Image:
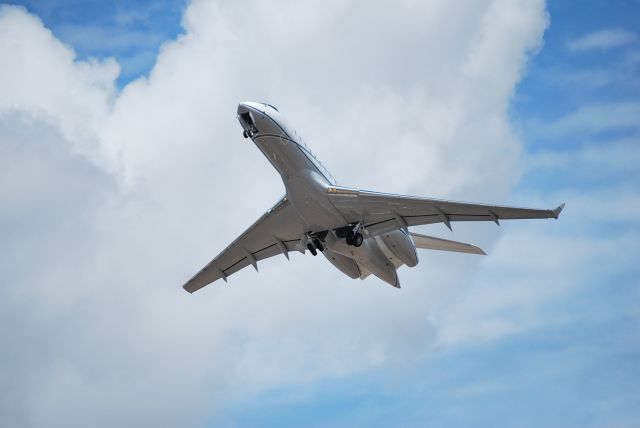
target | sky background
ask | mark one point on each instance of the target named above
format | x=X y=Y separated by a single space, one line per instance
x=123 y=171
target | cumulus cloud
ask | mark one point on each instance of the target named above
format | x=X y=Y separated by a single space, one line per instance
x=112 y=198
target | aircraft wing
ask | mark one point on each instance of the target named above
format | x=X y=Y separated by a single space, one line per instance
x=383 y=212
x=278 y=231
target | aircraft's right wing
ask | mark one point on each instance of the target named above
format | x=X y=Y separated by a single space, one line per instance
x=278 y=231
x=383 y=212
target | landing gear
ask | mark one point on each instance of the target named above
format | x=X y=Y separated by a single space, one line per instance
x=354 y=238
x=312 y=249
x=314 y=245
x=246 y=134
x=318 y=244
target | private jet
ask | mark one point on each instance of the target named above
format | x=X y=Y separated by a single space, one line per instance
x=360 y=232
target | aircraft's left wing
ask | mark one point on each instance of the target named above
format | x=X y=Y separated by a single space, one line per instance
x=383 y=212
x=278 y=231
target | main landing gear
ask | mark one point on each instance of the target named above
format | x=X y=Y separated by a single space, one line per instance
x=354 y=238
x=315 y=244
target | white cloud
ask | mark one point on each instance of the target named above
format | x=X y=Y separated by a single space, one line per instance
x=597 y=160
x=113 y=199
x=510 y=294
x=603 y=39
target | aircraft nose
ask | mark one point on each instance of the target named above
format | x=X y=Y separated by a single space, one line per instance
x=247 y=106
x=259 y=118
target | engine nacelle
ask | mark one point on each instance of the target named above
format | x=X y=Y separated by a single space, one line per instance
x=402 y=246
x=348 y=266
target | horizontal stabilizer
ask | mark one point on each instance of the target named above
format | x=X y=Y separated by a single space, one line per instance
x=433 y=243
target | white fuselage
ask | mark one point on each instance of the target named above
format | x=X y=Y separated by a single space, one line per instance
x=307 y=183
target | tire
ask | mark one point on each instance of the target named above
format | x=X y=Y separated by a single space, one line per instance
x=312 y=249
x=318 y=244
x=349 y=238
x=357 y=239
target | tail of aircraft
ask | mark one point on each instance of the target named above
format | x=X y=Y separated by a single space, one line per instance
x=433 y=243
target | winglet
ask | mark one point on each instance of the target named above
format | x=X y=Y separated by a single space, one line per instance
x=558 y=210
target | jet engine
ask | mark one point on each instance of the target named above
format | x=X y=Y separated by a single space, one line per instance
x=401 y=245
x=345 y=264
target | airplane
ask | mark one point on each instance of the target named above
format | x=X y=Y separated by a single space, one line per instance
x=360 y=232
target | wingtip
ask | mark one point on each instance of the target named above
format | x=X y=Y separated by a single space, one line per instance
x=558 y=210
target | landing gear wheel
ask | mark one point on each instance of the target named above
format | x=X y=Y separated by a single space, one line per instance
x=349 y=238
x=312 y=249
x=357 y=239
x=318 y=244
x=245 y=134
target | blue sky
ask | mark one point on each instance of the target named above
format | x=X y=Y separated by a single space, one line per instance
x=545 y=331
x=130 y=31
